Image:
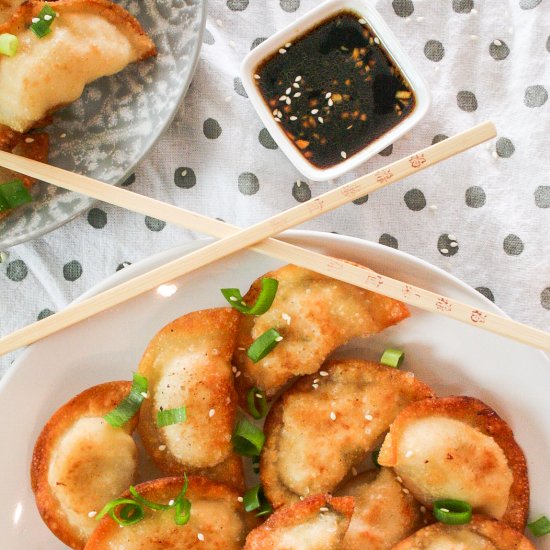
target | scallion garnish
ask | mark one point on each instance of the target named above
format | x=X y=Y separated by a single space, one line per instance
x=374 y=458
x=15 y=193
x=41 y=25
x=130 y=513
x=183 y=511
x=130 y=405
x=143 y=501
x=263 y=303
x=452 y=512
x=3 y=203
x=392 y=358
x=263 y=345
x=540 y=527
x=247 y=439
x=257 y=403
x=9 y=44
x=171 y=416
x=254 y=499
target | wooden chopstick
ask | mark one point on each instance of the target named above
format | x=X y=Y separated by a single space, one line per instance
x=341 y=270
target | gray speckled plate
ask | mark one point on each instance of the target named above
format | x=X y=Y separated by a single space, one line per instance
x=118 y=118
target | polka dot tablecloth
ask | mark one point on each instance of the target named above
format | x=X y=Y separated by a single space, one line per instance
x=483 y=216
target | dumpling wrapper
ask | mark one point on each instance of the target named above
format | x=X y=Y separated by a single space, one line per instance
x=385 y=512
x=188 y=364
x=480 y=534
x=216 y=515
x=80 y=462
x=315 y=314
x=459 y=448
x=90 y=39
x=318 y=522
x=327 y=423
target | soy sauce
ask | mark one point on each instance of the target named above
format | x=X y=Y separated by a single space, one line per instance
x=335 y=89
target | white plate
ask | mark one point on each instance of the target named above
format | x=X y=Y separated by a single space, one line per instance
x=454 y=358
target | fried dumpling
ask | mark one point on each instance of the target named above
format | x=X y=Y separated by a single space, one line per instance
x=80 y=462
x=327 y=423
x=217 y=520
x=89 y=39
x=384 y=513
x=33 y=146
x=480 y=534
x=318 y=522
x=315 y=314
x=459 y=448
x=188 y=364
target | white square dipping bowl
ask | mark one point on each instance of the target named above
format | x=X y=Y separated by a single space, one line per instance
x=302 y=26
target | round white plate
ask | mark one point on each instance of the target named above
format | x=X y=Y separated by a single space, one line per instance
x=454 y=358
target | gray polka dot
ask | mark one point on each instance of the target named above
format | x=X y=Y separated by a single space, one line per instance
x=290 y=5
x=513 y=245
x=434 y=50
x=487 y=292
x=301 y=191
x=466 y=101
x=463 y=6
x=266 y=140
x=17 y=270
x=415 y=200
x=97 y=218
x=208 y=37
x=44 y=313
x=257 y=41
x=439 y=137
x=387 y=240
x=475 y=196
x=361 y=200
x=499 y=50
x=184 y=177
x=545 y=298
x=238 y=87
x=387 y=151
x=72 y=271
x=403 y=8
x=123 y=265
x=237 y=5
x=153 y=224
x=211 y=128
x=542 y=196
x=504 y=147
x=248 y=183
x=535 y=96
x=129 y=181
x=446 y=245
x=529 y=4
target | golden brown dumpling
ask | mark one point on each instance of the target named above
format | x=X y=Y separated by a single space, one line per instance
x=315 y=314
x=459 y=448
x=188 y=364
x=80 y=462
x=89 y=39
x=327 y=423
x=318 y=522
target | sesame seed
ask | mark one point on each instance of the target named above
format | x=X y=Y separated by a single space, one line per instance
x=293 y=117
x=408 y=454
x=405 y=490
x=452 y=237
x=241 y=349
x=419 y=19
x=295 y=84
x=234 y=369
x=301 y=497
x=259 y=395
x=445 y=250
x=240 y=499
x=286 y=317
x=354 y=471
x=200 y=536
x=314 y=111
x=323 y=373
x=423 y=509
x=332 y=415
x=219 y=22
x=92 y=514
x=297 y=94
x=315 y=380
x=288 y=44
x=444 y=510
x=320 y=119
x=328 y=94
x=278 y=339
x=349 y=127
x=228 y=98
x=35 y=19
x=453 y=245
x=232 y=298
x=63 y=136
x=144 y=394
x=433 y=207
x=211 y=412
x=171 y=502
x=237 y=374
x=298 y=183
x=330 y=103
x=282 y=51
x=368 y=417
x=298 y=78
x=288 y=100
x=314 y=386
x=343 y=154
x=282 y=98
x=473 y=37
x=323 y=509
x=231 y=43
x=162 y=447
x=47 y=17
x=399 y=479
x=257 y=76
x=497 y=42
x=29 y=140
x=288 y=90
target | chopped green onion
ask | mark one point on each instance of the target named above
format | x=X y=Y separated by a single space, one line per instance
x=130 y=405
x=540 y=527
x=15 y=193
x=130 y=513
x=3 y=203
x=171 y=416
x=41 y=25
x=263 y=345
x=257 y=403
x=143 y=501
x=263 y=302
x=392 y=357
x=183 y=511
x=374 y=458
x=247 y=439
x=452 y=512
x=265 y=509
x=9 y=44
x=254 y=499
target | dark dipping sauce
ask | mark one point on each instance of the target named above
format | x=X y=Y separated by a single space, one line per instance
x=335 y=90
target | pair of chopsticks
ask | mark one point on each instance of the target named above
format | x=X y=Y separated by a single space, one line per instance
x=232 y=239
